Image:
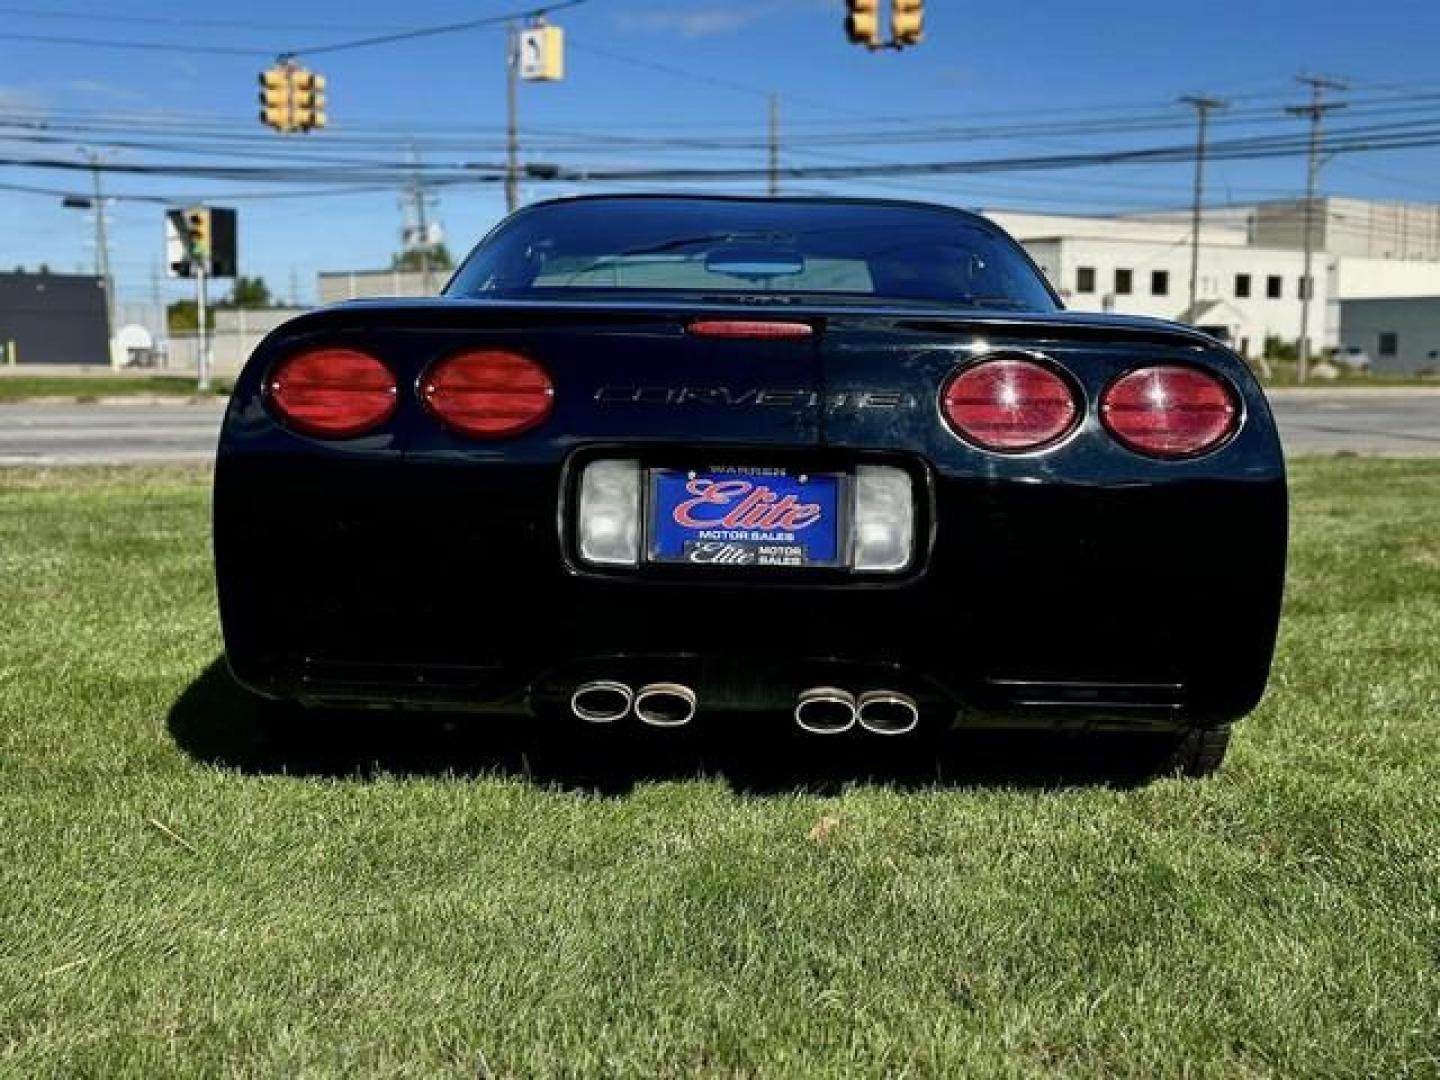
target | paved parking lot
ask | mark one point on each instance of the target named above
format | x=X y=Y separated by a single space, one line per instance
x=1363 y=421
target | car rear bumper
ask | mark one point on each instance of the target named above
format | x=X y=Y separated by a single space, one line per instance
x=447 y=585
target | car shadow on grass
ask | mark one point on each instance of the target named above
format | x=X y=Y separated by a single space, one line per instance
x=217 y=722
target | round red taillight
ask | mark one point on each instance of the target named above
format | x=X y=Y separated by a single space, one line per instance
x=488 y=392
x=1169 y=411
x=1010 y=405
x=332 y=393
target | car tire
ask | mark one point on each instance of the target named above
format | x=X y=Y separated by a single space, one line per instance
x=1199 y=752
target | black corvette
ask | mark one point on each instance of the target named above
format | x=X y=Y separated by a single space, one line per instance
x=650 y=460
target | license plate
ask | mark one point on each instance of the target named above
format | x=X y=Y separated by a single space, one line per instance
x=746 y=517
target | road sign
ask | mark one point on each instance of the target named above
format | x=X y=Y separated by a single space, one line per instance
x=542 y=54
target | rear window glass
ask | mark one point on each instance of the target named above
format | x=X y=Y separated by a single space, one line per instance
x=718 y=248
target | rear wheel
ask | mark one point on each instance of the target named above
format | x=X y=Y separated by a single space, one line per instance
x=1199 y=752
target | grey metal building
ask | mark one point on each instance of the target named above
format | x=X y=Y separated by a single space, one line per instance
x=53 y=319
x=1401 y=336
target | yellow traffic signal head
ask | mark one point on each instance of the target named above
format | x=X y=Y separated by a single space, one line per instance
x=862 y=24
x=307 y=97
x=907 y=22
x=197 y=230
x=275 y=98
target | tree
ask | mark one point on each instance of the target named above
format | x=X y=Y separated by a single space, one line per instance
x=248 y=292
x=414 y=258
x=183 y=315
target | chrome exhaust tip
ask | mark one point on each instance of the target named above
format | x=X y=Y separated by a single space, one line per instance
x=665 y=704
x=601 y=702
x=825 y=710
x=887 y=712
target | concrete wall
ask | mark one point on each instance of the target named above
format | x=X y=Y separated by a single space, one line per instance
x=1377 y=279
x=1354 y=228
x=352 y=285
x=1160 y=229
x=1415 y=322
x=234 y=339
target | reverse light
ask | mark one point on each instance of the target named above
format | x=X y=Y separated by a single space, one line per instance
x=488 y=393
x=1009 y=405
x=332 y=393
x=884 y=519
x=609 y=519
x=1168 y=411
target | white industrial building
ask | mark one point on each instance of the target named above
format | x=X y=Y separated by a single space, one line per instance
x=1244 y=295
x=1251 y=269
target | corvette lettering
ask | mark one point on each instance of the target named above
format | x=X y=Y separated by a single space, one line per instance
x=739 y=504
x=759 y=396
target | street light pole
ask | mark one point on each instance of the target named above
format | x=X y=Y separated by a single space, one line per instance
x=1202 y=106
x=1315 y=111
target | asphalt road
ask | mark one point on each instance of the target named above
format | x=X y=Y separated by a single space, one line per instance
x=1368 y=421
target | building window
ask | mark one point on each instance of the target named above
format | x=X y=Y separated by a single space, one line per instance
x=1160 y=283
x=1389 y=344
x=1242 y=286
x=1124 y=282
x=1085 y=279
x=1274 y=287
x=1305 y=285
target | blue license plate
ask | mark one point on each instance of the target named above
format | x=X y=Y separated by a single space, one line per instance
x=746 y=517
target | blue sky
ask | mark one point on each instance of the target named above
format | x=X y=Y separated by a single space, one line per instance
x=981 y=64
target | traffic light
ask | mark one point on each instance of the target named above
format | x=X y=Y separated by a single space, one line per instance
x=292 y=98
x=197 y=234
x=907 y=22
x=307 y=99
x=862 y=24
x=275 y=98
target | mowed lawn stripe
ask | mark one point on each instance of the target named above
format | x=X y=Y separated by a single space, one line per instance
x=464 y=909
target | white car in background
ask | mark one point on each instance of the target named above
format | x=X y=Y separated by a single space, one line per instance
x=1353 y=357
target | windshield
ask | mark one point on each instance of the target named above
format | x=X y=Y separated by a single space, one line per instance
x=722 y=248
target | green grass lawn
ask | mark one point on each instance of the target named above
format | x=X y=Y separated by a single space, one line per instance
x=180 y=896
x=91 y=387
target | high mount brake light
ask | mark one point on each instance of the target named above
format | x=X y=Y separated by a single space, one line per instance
x=332 y=393
x=1168 y=411
x=751 y=328
x=1009 y=405
x=488 y=393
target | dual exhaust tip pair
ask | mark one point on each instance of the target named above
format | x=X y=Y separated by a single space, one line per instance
x=821 y=710
x=828 y=710
x=661 y=704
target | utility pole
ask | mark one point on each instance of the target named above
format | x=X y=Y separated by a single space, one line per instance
x=1315 y=112
x=202 y=301
x=774 y=144
x=512 y=118
x=102 y=258
x=1202 y=106
x=417 y=224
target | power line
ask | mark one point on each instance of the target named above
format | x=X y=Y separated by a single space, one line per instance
x=238 y=50
x=147 y=46
x=97 y=16
x=434 y=31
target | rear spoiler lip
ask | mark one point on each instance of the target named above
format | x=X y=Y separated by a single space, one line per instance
x=459 y=313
